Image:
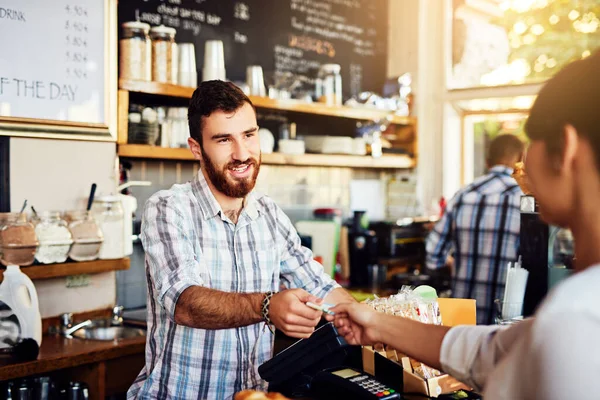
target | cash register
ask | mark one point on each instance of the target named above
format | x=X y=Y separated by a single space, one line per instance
x=325 y=366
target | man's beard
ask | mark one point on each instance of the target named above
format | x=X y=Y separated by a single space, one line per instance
x=228 y=185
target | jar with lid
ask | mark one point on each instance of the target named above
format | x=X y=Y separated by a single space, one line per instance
x=18 y=241
x=329 y=85
x=108 y=211
x=163 y=49
x=135 y=52
x=87 y=236
x=54 y=237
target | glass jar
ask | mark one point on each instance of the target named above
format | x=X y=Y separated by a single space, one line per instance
x=108 y=212
x=135 y=52
x=54 y=238
x=163 y=49
x=18 y=240
x=329 y=85
x=87 y=236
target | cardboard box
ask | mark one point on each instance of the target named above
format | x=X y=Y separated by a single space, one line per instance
x=432 y=387
x=412 y=383
x=454 y=312
x=457 y=311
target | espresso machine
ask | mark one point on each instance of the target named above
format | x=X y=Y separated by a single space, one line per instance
x=547 y=252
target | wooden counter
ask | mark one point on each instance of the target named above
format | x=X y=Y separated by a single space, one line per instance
x=59 y=353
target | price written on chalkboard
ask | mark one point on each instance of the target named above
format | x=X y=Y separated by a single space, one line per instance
x=76 y=29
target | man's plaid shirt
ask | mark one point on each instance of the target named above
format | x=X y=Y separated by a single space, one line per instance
x=482 y=226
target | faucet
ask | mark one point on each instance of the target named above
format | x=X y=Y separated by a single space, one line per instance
x=117 y=315
x=67 y=327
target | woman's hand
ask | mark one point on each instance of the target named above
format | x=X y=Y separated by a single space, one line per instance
x=357 y=323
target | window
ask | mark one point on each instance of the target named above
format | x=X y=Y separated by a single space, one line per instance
x=498 y=54
x=479 y=131
x=509 y=42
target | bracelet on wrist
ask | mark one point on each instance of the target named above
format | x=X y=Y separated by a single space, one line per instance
x=265 y=310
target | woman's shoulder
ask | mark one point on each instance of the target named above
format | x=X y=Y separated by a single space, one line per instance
x=580 y=293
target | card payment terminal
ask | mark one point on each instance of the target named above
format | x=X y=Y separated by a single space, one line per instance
x=323 y=367
x=348 y=383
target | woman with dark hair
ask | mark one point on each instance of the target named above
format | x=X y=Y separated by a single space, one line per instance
x=553 y=355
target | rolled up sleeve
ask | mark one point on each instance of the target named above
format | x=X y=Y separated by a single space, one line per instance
x=298 y=268
x=470 y=353
x=170 y=258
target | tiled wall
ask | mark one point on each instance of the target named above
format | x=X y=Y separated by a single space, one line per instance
x=297 y=190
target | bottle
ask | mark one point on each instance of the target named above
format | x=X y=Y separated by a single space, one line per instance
x=129 y=204
x=18 y=298
x=442 y=205
x=329 y=85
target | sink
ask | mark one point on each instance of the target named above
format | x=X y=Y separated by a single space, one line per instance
x=105 y=329
x=108 y=333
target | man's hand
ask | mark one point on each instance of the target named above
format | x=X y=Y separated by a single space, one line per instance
x=356 y=322
x=290 y=314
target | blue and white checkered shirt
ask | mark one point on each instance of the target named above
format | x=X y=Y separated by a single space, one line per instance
x=189 y=241
x=482 y=226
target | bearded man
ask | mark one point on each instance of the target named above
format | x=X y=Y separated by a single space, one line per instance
x=217 y=254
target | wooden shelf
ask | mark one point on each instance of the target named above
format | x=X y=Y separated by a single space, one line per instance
x=48 y=271
x=316 y=160
x=338 y=160
x=154 y=152
x=165 y=89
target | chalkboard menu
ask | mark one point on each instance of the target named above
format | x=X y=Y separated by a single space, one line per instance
x=295 y=36
x=52 y=65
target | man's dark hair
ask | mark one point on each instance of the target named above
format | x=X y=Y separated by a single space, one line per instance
x=213 y=96
x=571 y=97
x=503 y=148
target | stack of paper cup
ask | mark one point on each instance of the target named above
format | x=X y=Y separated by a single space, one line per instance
x=214 y=61
x=187 y=74
x=514 y=291
x=255 y=80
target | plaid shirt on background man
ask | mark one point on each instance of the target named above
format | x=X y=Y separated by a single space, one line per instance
x=189 y=241
x=482 y=225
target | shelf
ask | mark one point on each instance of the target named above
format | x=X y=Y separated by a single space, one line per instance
x=316 y=160
x=165 y=89
x=154 y=152
x=339 y=160
x=48 y=271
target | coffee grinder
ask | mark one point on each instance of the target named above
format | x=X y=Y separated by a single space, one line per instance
x=363 y=251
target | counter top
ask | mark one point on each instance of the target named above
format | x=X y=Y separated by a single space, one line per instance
x=58 y=352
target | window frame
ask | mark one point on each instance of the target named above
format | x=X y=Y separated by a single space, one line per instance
x=452 y=97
